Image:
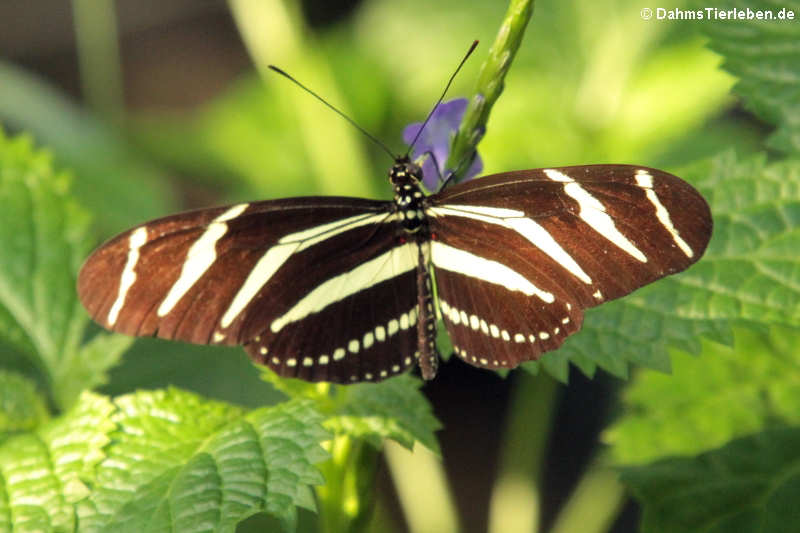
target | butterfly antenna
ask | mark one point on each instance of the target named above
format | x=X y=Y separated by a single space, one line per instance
x=348 y=119
x=449 y=82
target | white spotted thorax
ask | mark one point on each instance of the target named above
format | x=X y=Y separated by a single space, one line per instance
x=405 y=177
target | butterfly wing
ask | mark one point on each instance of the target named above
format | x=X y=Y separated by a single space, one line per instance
x=518 y=256
x=318 y=288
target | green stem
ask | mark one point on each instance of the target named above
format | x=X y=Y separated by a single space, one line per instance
x=489 y=86
x=595 y=502
x=98 y=56
x=274 y=33
x=422 y=488
x=347 y=498
x=515 y=498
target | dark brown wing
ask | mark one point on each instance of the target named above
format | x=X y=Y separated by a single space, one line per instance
x=319 y=288
x=519 y=255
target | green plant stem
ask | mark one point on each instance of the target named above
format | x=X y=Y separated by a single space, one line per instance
x=489 y=86
x=98 y=56
x=274 y=33
x=515 y=496
x=595 y=502
x=422 y=488
x=347 y=498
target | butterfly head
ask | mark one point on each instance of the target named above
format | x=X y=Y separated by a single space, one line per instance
x=404 y=172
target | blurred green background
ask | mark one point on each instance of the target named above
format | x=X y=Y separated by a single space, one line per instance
x=157 y=106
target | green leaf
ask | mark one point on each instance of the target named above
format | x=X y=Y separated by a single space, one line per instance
x=22 y=408
x=45 y=472
x=750 y=273
x=112 y=180
x=224 y=373
x=181 y=463
x=44 y=237
x=765 y=56
x=750 y=270
x=361 y=416
x=160 y=461
x=749 y=485
x=395 y=408
x=87 y=368
x=235 y=139
x=707 y=401
x=250 y=140
x=44 y=234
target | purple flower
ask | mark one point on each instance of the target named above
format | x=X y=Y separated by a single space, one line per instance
x=436 y=139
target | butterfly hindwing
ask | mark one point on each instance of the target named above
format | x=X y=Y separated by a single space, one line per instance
x=527 y=251
x=365 y=335
x=491 y=327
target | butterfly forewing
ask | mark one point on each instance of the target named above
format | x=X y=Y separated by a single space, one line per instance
x=519 y=255
x=284 y=278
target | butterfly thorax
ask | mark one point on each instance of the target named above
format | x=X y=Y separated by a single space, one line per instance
x=405 y=177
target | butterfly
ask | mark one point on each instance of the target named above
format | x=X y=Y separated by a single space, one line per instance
x=347 y=290
x=342 y=289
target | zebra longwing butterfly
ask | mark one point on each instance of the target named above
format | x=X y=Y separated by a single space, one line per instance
x=341 y=289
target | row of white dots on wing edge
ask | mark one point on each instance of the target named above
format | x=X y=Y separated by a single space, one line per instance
x=380 y=333
x=457 y=316
x=475 y=359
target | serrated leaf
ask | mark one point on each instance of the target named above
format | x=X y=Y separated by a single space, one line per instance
x=45 y=472
x=180 y=463
x=750 y=272
x=160 y=461
x=393 y=409
x=765 y=56
x=707 y=401
x=751 y=269
x=44 y=236
x=749 y=485
x=22 y=408
x=87 y=368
